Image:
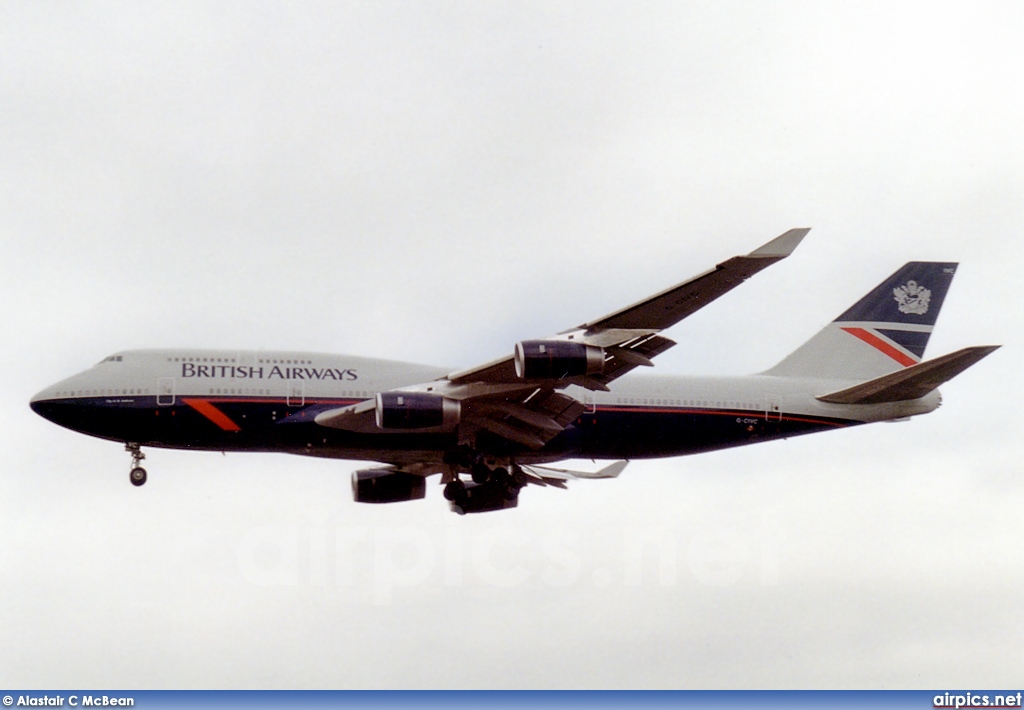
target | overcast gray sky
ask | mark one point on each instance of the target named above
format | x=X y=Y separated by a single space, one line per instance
x=433 y=182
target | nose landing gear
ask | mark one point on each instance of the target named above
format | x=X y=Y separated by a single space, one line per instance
x=138 y=474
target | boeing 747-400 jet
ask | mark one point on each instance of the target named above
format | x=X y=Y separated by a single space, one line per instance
x=493 y=429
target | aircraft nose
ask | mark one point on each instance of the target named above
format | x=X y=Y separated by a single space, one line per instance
x=40 y=397
x=52 y=403
x=42 y=404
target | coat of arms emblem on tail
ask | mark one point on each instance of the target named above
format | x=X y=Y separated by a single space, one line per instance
x=912 y=298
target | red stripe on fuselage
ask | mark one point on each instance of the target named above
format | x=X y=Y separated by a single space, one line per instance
x=212 y=413
x=879 y=344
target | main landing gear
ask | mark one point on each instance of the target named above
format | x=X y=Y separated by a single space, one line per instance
x=138 y=474
x=491 y=489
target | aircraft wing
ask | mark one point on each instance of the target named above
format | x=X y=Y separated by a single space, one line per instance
x=630 y=335
x=530 y=411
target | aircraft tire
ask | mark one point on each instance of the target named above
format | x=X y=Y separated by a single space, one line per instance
x=480 y=473
x=454 y=490
x=518 y=478
x=138 y=476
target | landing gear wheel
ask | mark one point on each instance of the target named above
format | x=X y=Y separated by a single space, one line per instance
x=455 y=490
x=480 y=473
x=519 y=477
x=138 y=474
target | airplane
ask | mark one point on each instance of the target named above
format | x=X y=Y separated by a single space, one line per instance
x=491 y=430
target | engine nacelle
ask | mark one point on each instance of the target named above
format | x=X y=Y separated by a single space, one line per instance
x=386 y=485
x=557 y=359
x=417 y=410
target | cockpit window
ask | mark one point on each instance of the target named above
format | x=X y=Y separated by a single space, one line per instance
x=112 y=358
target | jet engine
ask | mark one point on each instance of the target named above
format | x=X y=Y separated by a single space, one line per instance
x=416 y=410
x=386 y=485
x=557 y=359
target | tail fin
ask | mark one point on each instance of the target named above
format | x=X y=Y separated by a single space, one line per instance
x=886 y=330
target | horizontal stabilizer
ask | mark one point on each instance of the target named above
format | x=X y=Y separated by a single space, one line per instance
x=911 y=382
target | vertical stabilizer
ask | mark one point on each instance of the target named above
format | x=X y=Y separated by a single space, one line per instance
x=883 y=332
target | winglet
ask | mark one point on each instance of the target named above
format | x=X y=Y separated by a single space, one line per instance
x=782 y=246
